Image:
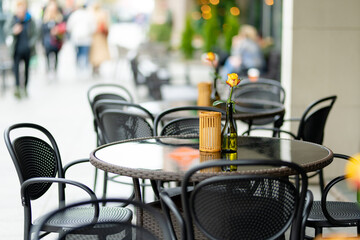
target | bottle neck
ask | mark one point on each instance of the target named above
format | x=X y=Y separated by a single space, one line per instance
x=229 y=111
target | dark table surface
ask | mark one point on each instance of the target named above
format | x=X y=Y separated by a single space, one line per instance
x=167 y=158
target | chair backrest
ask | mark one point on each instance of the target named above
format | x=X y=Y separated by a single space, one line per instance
x=252 y=205
x=35 y=154
x=108 y=91
x=120 y=120
x=313 y=120
x=107 y=228
x=262 y=89
x=105 y=91
x=181 y=120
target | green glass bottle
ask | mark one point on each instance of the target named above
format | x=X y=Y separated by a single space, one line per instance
x=230 y=157
x=229 y=133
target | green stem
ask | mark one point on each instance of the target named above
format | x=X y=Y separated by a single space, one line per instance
x=229 y=99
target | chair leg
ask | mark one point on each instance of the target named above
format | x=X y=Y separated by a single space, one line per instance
x=105 y=185
x=95 y=178
x=321 y=181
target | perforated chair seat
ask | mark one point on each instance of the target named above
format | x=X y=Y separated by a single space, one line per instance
x=84 y=215
x=329 y=214
x=342 y=211
x=106 y=224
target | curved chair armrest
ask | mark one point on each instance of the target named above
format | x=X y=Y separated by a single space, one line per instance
x=70 y=164
x=324 y=200
x=168 y=206
x=277 y=130
x=327 y=189
x=26 y=201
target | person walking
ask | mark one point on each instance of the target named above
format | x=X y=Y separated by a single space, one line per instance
x=246 y=53
x=99 y=50
x=22 y=30
x=81 y=26
x=53 y=30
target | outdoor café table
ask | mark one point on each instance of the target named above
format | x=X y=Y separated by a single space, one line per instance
x=168 y=158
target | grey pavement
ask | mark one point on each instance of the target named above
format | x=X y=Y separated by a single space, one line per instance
x=58 y=102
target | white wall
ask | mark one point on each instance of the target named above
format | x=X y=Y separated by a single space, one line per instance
x=321 y=57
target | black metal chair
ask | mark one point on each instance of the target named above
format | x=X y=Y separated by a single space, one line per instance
x=120 y=120
x=311 y=127
x=36 y=157
x=329 y=214
x=103 y=91
x=260 y=90
x=181 y=120
x=255 y=205
x=101 y=228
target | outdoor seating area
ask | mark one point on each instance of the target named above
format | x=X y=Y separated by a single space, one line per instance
x=179 y=120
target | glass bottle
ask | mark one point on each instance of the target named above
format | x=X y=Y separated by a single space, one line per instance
x=230 y=157
x=229 y=133
x=214 y=93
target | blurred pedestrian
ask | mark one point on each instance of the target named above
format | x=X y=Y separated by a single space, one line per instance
x=99 y=51
x=81 y=26
x=53 y=31
x=22 y=30
x=246 y=53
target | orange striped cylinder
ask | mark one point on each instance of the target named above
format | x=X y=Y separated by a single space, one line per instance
x=210 y=131
x=204 y=92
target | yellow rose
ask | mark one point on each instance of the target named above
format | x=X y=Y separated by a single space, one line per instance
x=210 y=56
x=352 y=171
x=233 y=80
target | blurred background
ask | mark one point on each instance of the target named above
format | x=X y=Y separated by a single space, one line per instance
x=311 y=47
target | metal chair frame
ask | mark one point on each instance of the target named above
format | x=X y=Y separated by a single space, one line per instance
x=328 y=214
x=103 y=227
x=104 y=91
x=189 y=219
x=105 y=108
x=311 y=127
x=36 y=157
x=261 y=89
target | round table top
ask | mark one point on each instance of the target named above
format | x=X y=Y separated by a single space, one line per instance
x=168 y=158
x=245 y=109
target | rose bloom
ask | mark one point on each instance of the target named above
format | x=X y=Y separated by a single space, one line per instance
x=233 y=80
x=210 y=56
x=352 y=171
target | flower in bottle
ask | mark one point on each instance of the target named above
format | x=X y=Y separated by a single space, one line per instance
x=233 y=81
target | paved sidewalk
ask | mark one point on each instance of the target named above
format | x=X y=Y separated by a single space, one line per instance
x=60 y=105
